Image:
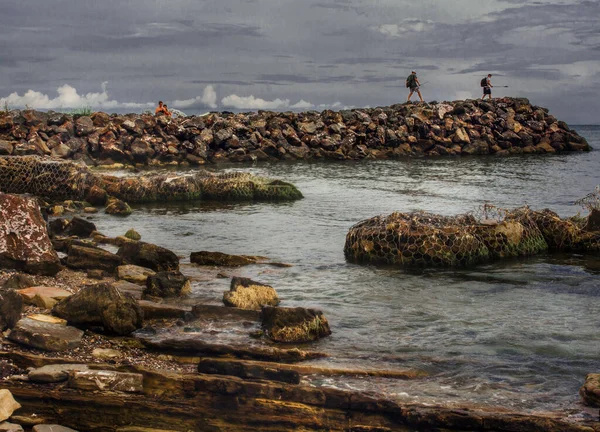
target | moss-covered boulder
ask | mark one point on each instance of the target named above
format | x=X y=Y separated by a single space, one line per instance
x=245 y=293
x=294 y=325
x=590 y=391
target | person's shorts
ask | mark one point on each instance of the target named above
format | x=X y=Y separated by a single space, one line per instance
x=414 y=89
x=487 y=91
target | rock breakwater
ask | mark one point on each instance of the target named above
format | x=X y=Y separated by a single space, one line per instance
x=500 y=126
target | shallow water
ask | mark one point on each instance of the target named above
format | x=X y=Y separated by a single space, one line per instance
x=521 y=334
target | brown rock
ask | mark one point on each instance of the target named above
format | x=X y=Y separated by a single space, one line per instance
x=43 y=296
x=8 y=404
x=11 y=306
x=221 y=259
x=24 y=241
x=82 y=257
x=148 y=255
x=247 y=294
x=45 y=336
x=295 y=325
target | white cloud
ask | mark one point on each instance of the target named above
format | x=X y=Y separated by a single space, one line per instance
x=409 y=25
x=208 y=98
x=302 y=104
x=68 y=98
x=251 y=102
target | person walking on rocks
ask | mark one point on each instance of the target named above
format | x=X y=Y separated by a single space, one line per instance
x=486 y=83
x=412 y=83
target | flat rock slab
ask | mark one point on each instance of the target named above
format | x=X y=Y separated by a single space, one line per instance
x=10 y=427
x=8 y=404
x=43 y=296
x=124 y=286
x=52 y=428
x=248 y=370
x=223 y=259
x=213 y=312
x=45 y=336
x=81 y=257
x=54 y=373
x=134 y=274
x=47 y=319
x=154 y=310
x=107 y=381
x=106 y=353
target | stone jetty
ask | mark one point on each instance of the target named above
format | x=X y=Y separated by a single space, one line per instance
x=501 y=127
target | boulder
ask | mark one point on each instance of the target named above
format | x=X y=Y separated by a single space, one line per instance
x=247 y=294
x=134 y=274
x=11 y=306
x=294 y=325
x=43 y=296
x=18 y=281
x=593 y=221
x=84 y=126
x=24 y=241
x=80 y=227
x=8 y=404
x=167 y=284
x=117 y=207
x=590 y=391
x=132 y=234
x=221 y=259
x=83 y=257
x=148 y=255
x=130 y=288
x=103 y=380
x=96 y=196
x=102 y=304
x=6 y=148
x=54 y=373
x=45 y=336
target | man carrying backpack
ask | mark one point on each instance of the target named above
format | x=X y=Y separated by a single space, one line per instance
x=412 y=82
x=486 y=83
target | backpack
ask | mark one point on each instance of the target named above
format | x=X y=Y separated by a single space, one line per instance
x=410 y=81
x=484 y=82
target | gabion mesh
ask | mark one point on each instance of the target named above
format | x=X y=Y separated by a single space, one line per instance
x=422 y=239
x=54 y=179
x=57 y=179
x=560 y=234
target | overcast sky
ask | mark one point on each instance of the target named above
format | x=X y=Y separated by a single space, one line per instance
x=200 y=55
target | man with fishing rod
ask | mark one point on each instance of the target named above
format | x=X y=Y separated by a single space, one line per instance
x=412 y=83
x=486 y=83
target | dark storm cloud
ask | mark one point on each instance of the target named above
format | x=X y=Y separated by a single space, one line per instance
x=352 y=51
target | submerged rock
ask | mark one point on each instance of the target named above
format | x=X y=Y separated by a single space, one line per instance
x=115 y=206
x=248 y=370
x=102 y=304
x=222 y=259
x=45 y=336
x=24 y=241
x=294 y=325
x=247 y=294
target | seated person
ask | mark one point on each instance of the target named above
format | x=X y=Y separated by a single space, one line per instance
x=160 y=109
x=166 y=111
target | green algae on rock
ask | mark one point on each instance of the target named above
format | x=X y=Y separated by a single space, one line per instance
x=426 y=240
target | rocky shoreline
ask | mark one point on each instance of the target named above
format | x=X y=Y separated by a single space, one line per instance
x=499 y=127
x=95 y=339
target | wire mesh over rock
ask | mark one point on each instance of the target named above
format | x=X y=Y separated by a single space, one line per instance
x=61 y=180
x=47 y=178
x=426 y=240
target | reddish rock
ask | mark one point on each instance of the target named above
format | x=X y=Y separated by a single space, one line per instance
x=24 y=241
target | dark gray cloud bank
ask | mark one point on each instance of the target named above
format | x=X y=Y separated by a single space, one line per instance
x=289 y=54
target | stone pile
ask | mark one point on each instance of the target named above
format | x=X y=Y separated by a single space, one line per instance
x=500 y=126
x=424 y=240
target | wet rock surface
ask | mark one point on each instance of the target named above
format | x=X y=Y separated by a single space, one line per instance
x=24 y=241
x=295 y=325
